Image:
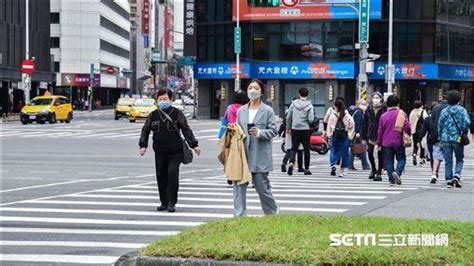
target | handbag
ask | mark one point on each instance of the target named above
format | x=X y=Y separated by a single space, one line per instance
x=407 y=142
x=358 y=147
x=187 y=152
x=463 y=139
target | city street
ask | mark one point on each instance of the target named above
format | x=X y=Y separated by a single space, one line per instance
x=79 y=192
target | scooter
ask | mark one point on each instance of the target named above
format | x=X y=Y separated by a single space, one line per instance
x=318 y=143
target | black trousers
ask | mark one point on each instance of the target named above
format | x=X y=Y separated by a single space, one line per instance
x=299 y=158
x=381 y=159
x=301 y=137
x=415 y=147
x=167 y=177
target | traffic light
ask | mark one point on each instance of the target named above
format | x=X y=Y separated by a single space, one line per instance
x=263 y=3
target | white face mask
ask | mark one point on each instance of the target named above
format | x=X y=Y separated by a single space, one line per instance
x=254 y=94
x=376 y=101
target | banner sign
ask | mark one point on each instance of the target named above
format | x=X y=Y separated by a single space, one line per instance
x=302 y=70
x=302 y=10
x=190 y=43
x=146 y=17
x=407 y=71
x=220 y=71
x=462 y=73
x=79 y=80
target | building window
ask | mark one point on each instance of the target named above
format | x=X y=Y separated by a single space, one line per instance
x=57 y=67
x=114 y=49
x=54 y=42
x=116 y=7
x=54 y=18
x=105 y=23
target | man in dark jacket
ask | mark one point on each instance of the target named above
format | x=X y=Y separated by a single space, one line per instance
x=358 y=115
x=168 y=147
x=431 y=138
x=369 y=133
x=438 y=156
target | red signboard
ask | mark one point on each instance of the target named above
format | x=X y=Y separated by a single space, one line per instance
x=28 y=66
x=146 y=17
x=168 y=28
x=110 y=70
x=290 y=3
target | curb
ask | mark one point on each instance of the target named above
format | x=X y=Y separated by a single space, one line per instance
x=135 y=259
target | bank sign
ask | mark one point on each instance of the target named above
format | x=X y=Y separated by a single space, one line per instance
x=220 y=71
x=461 y=73
x=407 y=71
x=289 y=10
x=304 y=70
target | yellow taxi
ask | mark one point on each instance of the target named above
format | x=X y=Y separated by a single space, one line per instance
x=122 y=108
x=44 y=109
x=141 y=108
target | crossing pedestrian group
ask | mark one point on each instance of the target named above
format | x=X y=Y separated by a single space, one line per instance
x=375 y=130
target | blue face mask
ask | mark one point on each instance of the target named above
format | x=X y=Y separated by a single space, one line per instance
x=164 y=105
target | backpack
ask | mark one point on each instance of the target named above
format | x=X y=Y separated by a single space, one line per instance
x=340 y=131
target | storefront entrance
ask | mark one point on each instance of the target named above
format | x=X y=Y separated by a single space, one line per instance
x=317 y=94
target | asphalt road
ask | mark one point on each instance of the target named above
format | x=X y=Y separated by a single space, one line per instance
x=79 y=193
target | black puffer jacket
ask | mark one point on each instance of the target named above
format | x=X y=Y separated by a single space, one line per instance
x=370 y=125
x=165 y=138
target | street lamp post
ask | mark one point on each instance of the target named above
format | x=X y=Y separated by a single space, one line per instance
x=237 y=55
x=390 y=70
x=26 y=77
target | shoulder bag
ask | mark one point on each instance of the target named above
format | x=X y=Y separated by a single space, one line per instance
x=463 y=139
x=187 y=152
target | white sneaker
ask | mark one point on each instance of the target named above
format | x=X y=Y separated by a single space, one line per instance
x=434 y=179
x=342 y=174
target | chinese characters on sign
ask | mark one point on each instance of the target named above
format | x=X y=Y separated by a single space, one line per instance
x=190 y=48
x=220 y=71
x=390 y=240
x=146 y=17
x=364 y=10
x=407 y=71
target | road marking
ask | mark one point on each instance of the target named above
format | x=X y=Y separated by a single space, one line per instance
x=85 y=231
x=228 y=194
x=43 y=172
x=72 y=244
x=207 y=130
x=92 y=221
x=206 y=137
x=96 y=135
x=118 y=212
x=81 y=259
x=41 y=186
x=137 y=134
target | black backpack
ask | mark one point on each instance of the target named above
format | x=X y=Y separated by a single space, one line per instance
x=340 y=131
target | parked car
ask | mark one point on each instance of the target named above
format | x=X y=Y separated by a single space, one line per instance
x=178 y=104
x=122 y=108
x=141 y=109
x=47 y=108
x=187 y=100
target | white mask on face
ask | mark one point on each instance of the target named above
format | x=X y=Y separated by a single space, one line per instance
x=254 y=94
x=376 y=101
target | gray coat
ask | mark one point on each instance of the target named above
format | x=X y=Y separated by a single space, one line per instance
x=259 y=149
x=300 y=115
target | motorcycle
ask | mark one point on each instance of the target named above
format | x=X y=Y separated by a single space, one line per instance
x=318 y=143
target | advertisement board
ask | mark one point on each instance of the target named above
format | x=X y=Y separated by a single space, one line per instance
x=252 y=10
x=461 y=73
x=405 y=71
x=220 y=71
x=302 y=70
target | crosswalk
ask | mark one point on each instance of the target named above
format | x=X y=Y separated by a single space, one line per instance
x=98 y=226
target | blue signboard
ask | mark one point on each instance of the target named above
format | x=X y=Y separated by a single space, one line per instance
x=303 y=70
x=405 y=71
x=220 y=71
x=349 y=13
x=462 y=73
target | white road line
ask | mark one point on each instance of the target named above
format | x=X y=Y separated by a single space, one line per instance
x=207 y=130
x=79 y=259
x=334 y=183
x=136 y=134
x=72 y=244
x=92 y=221
x=43 y=172
x=84 y=231
x=46 y=185
x=328 y=190
x=96 y=135
x=196 y=206
x=117 y=212
x=124 y=196
x=206 y=137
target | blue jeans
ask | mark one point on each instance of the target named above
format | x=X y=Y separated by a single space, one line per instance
x=448 y=149
x=339 y=148
x=363 y=160
x=390 y=154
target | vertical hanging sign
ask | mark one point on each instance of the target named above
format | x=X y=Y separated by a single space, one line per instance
x=190 y=46
x=146 y=17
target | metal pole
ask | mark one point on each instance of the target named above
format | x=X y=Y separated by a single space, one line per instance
x=237 y=58
x=391 y=76
x=27 y=85
x=193 y=88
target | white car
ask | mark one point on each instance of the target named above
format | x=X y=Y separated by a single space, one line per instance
x=178 y=104
x=188 y=101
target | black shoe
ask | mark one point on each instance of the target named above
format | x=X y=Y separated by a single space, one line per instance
x=450 y=184
x=301 y=170
x=398 y=181
x=333 y=171
x=162 y=208
x=171 y=208
x=307 y=172
x=378 y=178
x=372 y=175
x=290 y=170
x=283 y=168
x=434 y=179
x=457 y=182
x=414 y=161
x=229 y=182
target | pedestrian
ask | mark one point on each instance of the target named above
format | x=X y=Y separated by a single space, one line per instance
x=358 y=116
x=369 y=133
x=340 y=123
x=230 y=116
x=86 y=105
x=453 y=127
x=429 y=131
x=438 y=154
x=167 y=124
x=329 y=112
x=299 y=120
x=282 y=132
x=417 y=117
x=393 y=125
x=258 y=120
x=47 y=93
